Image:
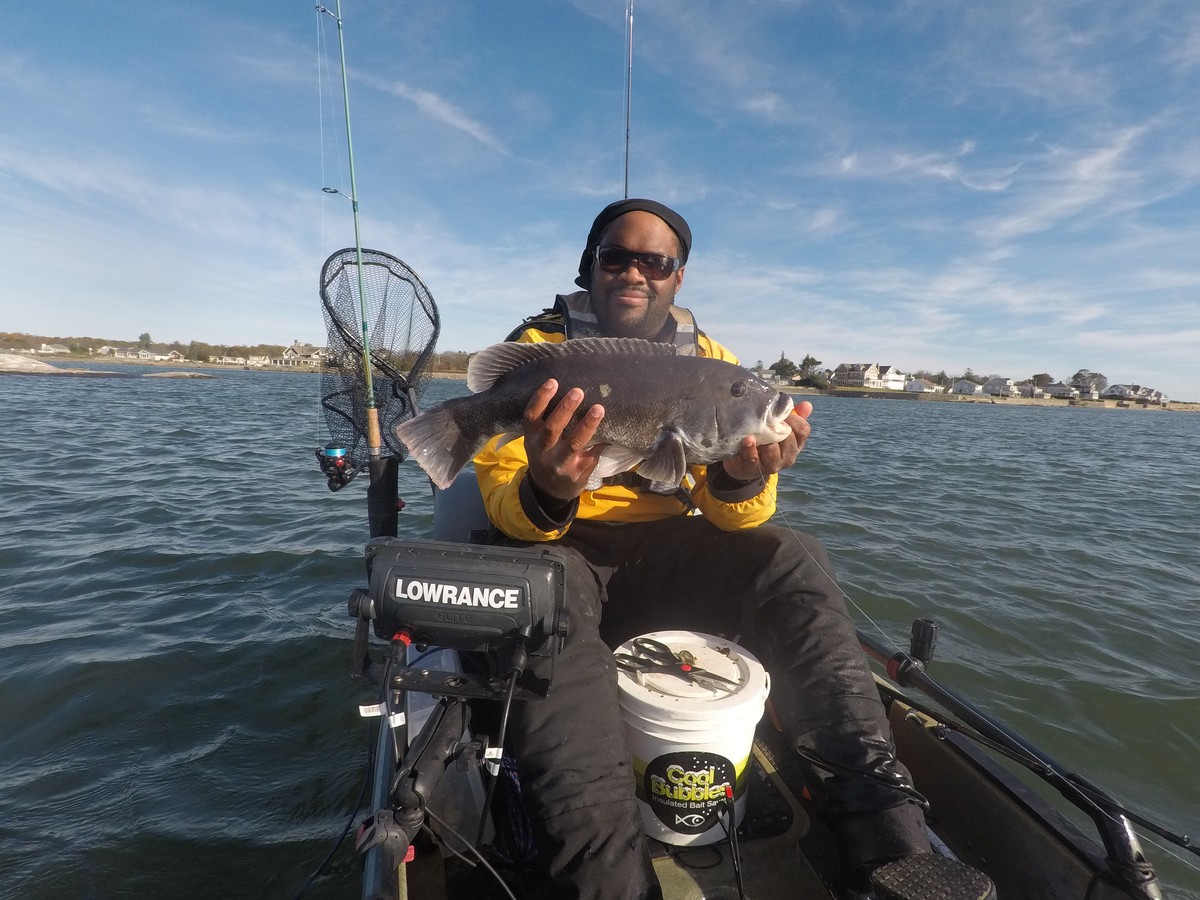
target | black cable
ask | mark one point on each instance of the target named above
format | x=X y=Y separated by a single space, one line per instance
x=735 y=856
x=478 y=855
x=907 y=790
x=491 y=788
x=362 y=795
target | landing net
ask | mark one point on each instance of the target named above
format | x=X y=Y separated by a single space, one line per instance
x=403 y=325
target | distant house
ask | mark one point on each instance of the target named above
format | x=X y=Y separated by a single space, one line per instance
x=174 y=356
x=923 y=386
x=54 y=348
x=299 y=355
x=860 y=375
x=258 y=362
x=106 y=351
x=1030 y=390
x=891 y=378
x=999 y=387
x=1136 y=392
x=1062 y=391
x=966 y=386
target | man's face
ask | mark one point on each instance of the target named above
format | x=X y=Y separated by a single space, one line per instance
x=627 y=303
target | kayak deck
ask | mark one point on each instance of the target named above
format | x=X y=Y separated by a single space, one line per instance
x=979 y=809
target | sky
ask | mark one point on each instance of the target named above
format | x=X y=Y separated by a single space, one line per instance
x=1009 y=187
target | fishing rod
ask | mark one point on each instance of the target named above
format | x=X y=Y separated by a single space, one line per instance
x=374 y=439
x=384 y=471
x=628 y=84
x=1124 y=854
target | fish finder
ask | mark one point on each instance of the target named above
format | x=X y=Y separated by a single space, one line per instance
x=497 y=604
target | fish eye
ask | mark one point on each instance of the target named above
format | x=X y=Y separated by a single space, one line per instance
x=738 y=388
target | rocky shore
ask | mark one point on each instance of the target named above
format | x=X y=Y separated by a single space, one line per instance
x=19 y=364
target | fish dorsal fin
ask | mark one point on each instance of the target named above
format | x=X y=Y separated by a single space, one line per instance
x=492 y=363
x=667 y=463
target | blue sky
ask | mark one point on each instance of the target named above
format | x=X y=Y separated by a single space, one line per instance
x=1010 y=187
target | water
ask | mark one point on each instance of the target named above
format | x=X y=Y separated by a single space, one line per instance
x=178 y=718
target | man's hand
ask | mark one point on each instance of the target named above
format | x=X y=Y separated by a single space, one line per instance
x=753 y=461
x=560 y=460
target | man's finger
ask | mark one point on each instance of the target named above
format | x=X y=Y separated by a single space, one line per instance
x=536 y=407
x=560 y=416
x=582 y=434
x=749 y=451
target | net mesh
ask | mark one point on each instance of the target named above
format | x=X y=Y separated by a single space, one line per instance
x=403 y=324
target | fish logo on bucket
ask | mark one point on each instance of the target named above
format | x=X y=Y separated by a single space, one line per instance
x=688 y=790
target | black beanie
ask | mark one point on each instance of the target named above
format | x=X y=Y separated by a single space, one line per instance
x=614 y=211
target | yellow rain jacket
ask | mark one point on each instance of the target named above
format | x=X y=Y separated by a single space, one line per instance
x=512 y=507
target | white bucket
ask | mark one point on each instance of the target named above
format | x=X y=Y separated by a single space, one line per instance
x=691 y=743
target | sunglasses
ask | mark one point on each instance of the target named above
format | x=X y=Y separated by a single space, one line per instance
x=654 y=266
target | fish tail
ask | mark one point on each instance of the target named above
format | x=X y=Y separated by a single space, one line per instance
x=438 y=442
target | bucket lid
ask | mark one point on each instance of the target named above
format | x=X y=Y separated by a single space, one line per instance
x=668 y=694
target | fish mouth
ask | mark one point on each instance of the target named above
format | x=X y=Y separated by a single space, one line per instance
x=776 y=418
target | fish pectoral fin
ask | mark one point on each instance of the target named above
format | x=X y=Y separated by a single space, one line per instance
x=667 y=463
x=506 y=437
x=614 y=459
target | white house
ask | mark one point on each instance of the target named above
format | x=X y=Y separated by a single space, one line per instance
x=1062 y=391
x=301 y=355
x=857 y=375
x=966 y=386
x=891 y=378
x=999 y=387
x=923 y=386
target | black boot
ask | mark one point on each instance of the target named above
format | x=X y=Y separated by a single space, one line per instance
x=886 y=856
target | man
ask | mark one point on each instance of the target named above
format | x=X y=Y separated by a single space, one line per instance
x=639 y=563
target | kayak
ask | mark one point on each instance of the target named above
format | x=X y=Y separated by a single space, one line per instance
x=996 y=803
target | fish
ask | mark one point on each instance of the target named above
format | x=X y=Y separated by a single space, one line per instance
x=662 y=411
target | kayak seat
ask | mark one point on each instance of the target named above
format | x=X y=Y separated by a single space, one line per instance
x=458 y=511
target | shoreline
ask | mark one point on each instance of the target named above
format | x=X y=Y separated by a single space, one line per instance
x=1049 y=402
x=20 y=364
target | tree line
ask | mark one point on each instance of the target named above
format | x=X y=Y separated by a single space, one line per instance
x=810 y=374
x=192 y=351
